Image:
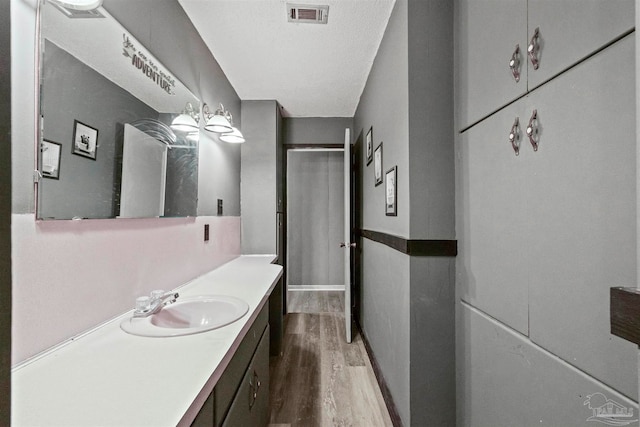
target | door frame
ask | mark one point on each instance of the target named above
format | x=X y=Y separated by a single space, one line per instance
x=356 y=227
x=284 y=243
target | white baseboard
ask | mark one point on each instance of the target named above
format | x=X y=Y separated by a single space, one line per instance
x=315 y=288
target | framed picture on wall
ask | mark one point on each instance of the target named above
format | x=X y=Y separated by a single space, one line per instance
x=377 y=165
x=85 y=140
x=391 y=192
x=50 y=159
x=370 y=146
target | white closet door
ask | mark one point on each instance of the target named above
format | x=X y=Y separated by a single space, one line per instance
x=144 y=172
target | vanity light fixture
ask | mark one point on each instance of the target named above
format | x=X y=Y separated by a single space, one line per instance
x=187 y=121
x=222 y=122
x=234 y=137
x=79 y=4
x=218 y=122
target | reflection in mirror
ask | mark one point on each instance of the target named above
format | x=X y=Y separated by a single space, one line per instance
x=107 y=106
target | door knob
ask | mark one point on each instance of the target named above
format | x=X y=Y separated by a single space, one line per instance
x=344 y=245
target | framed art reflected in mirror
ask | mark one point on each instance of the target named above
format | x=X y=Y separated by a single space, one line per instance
x=85 y=140
x=50 y=155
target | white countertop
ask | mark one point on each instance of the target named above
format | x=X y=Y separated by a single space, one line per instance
x=111 y=378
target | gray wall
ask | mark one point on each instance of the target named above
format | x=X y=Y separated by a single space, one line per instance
x=385 y=318
x=315 y=218
x=384 y=104
x=86 y=187
x=408 y=99
x=432 y=326
x=637 y=3
x=259 y=170
x=432 y=211
x=431 y=153
x=315 y=130
x=385 y=288
x=5 y=210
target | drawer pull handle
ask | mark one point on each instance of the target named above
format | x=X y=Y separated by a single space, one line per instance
x=534 y=48
x=254 y=387
x=514 y=64
x=532 y=130
x=514 y=136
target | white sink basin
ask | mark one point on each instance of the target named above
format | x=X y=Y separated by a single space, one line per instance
x=187 y=316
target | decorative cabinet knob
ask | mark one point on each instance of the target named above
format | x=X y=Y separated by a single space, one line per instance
x=514 y=64
x=254 y=387
x=514 y=136
x=534 y=48
x=532 y=130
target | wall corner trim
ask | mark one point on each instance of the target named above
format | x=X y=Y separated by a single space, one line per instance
x=625 y=313
x=413 y=247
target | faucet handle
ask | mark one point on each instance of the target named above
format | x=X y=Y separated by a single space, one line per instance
x=143 y=304
x=157 y=294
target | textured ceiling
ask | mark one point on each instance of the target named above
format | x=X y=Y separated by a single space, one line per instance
x=313 y=70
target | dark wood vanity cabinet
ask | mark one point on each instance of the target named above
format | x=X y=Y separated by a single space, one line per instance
x=276 y=319
x=241 y=395
x=250 y=407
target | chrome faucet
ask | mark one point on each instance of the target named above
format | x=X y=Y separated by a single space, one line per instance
x=146 y=306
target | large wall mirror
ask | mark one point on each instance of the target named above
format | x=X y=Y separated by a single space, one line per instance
x=108 y=144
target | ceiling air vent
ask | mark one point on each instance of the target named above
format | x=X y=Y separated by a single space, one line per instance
x=307 y=13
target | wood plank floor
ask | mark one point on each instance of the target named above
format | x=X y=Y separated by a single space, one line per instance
x=320 y=380
x=315 y=301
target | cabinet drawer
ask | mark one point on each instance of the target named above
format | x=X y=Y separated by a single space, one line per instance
x=493 y=222
x=205 y=416
x=251 y=404
x=486 y=33
x=581 y=197
x=544 y=235
x=229 y=382
x=571 y=30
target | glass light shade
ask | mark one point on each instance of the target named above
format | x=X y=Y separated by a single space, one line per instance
x=218 y=124
x=233 y=137
x=80 y=4
x=184 y=123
